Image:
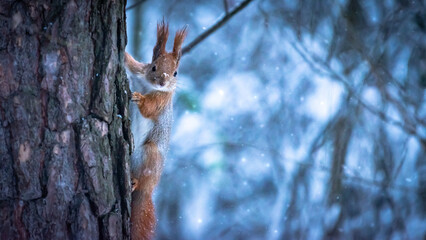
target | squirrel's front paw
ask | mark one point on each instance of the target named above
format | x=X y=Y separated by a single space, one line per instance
x=136 y=97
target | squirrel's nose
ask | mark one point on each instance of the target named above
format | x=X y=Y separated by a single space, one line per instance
x=163 y=79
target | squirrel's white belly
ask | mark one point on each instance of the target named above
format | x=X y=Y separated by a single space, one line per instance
x=140 y=126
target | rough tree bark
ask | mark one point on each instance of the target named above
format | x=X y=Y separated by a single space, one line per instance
x=64 y=127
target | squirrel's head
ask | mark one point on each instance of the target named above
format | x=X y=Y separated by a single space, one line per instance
x=162 y=71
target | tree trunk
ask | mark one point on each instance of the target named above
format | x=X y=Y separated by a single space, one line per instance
x=64 y=128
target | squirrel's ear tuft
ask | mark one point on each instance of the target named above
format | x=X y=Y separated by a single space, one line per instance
x=177 y=46
x=162 y=35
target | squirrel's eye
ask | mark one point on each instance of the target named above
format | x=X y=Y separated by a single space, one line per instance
x=174 y=74
x=154 y=68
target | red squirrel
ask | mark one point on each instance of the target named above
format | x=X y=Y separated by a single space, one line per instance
x=156 y=83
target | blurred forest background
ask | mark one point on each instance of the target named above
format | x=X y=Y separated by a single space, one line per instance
x=295 y=120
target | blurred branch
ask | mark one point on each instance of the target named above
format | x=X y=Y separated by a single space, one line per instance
x=313 y=61
x=135 y=4
x=403 y=159
x=226 y=6
x=344 y=176
x=215 y=27
x=377 y=69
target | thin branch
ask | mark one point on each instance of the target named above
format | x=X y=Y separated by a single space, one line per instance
x=135 y=4
x=324 y=67
x=226 y=6
x=215 y=27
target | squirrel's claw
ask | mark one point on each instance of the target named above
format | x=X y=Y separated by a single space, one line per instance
x=135 y=183
x=136 y=97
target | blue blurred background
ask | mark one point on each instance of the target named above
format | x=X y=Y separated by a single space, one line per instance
x=295 y=120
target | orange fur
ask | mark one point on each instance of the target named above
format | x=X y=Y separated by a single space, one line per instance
x=162 y=35
x=177 y=45
x=152 y=104
x=133 y=65
x=143 y=216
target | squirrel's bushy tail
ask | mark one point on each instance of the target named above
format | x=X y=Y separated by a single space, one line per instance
x=143 y=216
x=143 y=213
